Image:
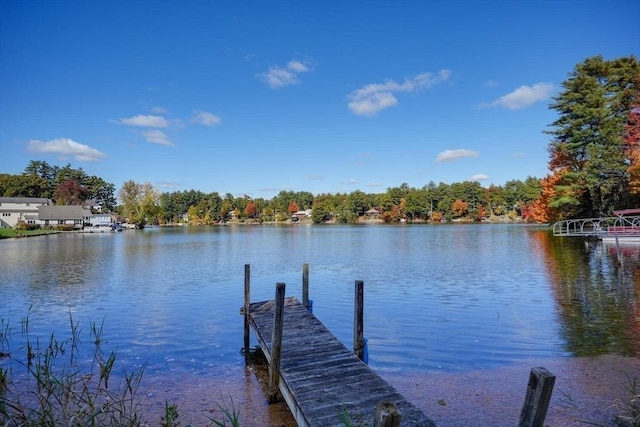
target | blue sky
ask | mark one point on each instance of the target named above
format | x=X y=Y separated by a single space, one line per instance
x=258 y=97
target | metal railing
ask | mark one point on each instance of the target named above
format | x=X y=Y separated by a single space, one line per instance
x=599 y=227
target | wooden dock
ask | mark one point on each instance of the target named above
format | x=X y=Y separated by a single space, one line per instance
x=319 y=378
x=326 y=384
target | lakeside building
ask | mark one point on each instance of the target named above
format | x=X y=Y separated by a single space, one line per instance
x=17 y=209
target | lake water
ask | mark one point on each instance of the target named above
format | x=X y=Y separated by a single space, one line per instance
x=447 y=298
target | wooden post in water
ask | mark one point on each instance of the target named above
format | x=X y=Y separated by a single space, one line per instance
x=387 y=415
x=536 y=402
x=305 y=285
x=276 y=343
x=358 y=320
x=247 y=302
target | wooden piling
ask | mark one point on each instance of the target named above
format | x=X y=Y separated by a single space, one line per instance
x=276 y=343
x=358 y=320
x=305 y=285
x=247 y=302
x=536 y=402
x=387 y=415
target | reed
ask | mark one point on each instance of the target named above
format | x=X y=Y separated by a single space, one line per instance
x=629 y=408
x=51 y=383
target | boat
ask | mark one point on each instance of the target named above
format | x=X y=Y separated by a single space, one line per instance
x=102 y=228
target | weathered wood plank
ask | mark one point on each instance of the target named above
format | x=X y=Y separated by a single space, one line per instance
x=319 y=377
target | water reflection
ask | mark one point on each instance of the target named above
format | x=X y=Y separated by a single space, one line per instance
x=437 y=297
x=596 y=293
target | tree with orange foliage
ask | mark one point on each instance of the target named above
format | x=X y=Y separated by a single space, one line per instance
x=541 y=210
x=293 y=208
x=482 y=212
x=459 y=208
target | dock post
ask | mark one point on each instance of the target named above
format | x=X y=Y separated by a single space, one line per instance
x=305 y=285
x=247 y=302
x=536 y=402
x=358 y=320
x=276 y=343
x=387 y=415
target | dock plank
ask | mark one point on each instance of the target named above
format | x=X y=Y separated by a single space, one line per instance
x=319 y=377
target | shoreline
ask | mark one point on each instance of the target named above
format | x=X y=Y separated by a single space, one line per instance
x=586 y=391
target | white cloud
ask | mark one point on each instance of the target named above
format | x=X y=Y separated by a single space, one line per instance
x=205 y=119
x=452 y=155
x=159 y=110
x=157 y=137
x=523 y=96
x=297 y=66
x=168 y=186
x=278 y=77
x=490 y=83
x=479 y=177
x=66 y=147
x=145 y=121
x=371 y=98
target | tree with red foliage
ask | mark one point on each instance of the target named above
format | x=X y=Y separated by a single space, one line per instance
x=293 y=208
x=70 y=192
x=250 y=210
x=632 y=148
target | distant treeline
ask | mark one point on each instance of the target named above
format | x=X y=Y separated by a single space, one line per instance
x=142 y=203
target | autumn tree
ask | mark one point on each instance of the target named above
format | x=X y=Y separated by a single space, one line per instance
x=459 y=208
x=587 y=147
x=544 y=209
x=293 y=208
x=250 y=210
x=632 y=148
x=70 y=192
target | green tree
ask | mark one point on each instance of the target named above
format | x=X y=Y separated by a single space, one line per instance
x=321 y=211
x=359 y=203
x=138 y=201
x=23 y=186
x=45 y=171
x=101 y=191
x=587 y=149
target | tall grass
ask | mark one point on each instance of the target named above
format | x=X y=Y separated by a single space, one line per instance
x=47 y=383
x=52 y=383
x=629 y=408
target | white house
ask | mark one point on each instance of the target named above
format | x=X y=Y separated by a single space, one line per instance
x=74 y=215
x=16 y=209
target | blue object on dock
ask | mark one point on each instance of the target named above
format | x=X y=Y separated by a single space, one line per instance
x=310 y=306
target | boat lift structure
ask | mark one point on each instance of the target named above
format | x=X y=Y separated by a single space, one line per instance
x=624 y=226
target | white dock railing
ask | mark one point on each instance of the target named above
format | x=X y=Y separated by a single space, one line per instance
x=617 y=226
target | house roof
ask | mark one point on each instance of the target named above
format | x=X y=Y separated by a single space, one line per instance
x=41 y=200
x=63 y=212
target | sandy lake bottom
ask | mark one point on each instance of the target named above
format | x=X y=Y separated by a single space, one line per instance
x=586 y=392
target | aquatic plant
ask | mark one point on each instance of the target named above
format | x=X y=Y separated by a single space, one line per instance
x=53 y=383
